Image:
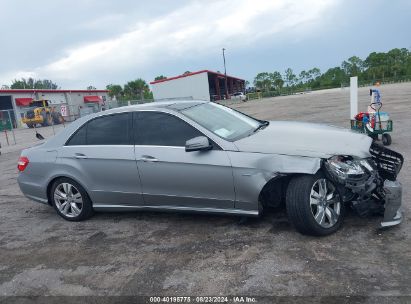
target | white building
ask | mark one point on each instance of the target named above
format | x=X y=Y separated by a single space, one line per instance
x=203 y=85
x=75 y=102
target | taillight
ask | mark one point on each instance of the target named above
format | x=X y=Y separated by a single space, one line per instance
x=22 y=163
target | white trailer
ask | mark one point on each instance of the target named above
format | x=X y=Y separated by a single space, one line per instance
x=201 y=85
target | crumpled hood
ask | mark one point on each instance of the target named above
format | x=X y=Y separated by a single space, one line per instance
x=306 y=139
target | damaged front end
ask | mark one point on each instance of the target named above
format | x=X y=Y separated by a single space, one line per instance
x=370 y=184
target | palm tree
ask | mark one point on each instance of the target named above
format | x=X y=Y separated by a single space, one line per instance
x=115 y=90
x=136 y=88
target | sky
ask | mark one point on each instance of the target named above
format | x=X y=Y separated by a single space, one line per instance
x=77 y=43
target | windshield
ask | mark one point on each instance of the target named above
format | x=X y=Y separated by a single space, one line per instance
x=222 y=121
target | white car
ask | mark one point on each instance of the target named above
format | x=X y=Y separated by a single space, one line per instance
x=239 y=95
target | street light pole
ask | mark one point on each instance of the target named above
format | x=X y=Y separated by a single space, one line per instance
x=225 y=76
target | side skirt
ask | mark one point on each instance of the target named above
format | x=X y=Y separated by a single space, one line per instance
x=116 y=208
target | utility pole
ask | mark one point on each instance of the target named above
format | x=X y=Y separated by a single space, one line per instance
x=225 y=76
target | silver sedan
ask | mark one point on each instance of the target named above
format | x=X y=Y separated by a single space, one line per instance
x=203 y=157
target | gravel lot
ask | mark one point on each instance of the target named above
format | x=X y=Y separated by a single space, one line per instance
x=185 y=254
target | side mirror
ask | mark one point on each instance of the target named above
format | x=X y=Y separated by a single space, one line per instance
x=200 y=143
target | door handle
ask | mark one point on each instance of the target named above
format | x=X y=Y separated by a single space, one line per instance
x=80 y=156
x=148 y=158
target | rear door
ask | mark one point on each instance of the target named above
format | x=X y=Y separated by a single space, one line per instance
x=101 y=155
x=170 y=176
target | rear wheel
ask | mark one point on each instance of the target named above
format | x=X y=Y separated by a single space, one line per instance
x=314 y=205
x=386 y=139
x=31 y=126
x=70 y=200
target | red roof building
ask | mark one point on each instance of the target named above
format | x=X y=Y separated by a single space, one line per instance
x=75 y=102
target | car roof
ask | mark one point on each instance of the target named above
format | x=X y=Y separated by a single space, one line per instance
x=177 y=105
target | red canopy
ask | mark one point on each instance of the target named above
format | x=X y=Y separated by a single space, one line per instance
x=92 y=99
x=23 y=102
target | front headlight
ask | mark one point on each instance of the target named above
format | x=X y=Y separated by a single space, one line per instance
x=346 y=167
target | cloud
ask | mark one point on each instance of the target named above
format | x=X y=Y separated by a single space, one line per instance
x=187 y=32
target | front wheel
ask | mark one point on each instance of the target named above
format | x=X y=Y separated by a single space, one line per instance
x=314 y=205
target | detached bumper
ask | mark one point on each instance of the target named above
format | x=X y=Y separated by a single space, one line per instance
x=392 y=206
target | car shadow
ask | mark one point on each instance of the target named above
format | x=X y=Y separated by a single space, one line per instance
x=273 y=218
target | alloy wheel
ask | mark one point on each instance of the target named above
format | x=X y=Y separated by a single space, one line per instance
x=325 y=203
x=68 y=200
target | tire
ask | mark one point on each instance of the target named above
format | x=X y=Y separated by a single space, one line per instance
x=386 y=139
x=31 y=126
x=301 y=206
x=78 y=208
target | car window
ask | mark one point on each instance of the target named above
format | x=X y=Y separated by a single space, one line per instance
x=108 y=130
x=222 y=121
x=162 y=129
x=79 y=137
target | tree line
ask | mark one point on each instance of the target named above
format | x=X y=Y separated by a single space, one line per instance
x=393 y=65
x=31 y=83
x=132 y=90
x=135 y=89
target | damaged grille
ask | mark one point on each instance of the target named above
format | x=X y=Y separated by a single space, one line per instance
x=388 y=162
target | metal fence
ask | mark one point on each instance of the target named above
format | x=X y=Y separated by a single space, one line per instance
x=7 y=125
x=281 y=92
x=123 y=103
x=296 y=90
x=386 y=80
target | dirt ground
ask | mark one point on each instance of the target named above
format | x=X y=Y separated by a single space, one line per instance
x=152 y=254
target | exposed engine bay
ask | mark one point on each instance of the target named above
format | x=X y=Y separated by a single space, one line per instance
x=370 y=184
